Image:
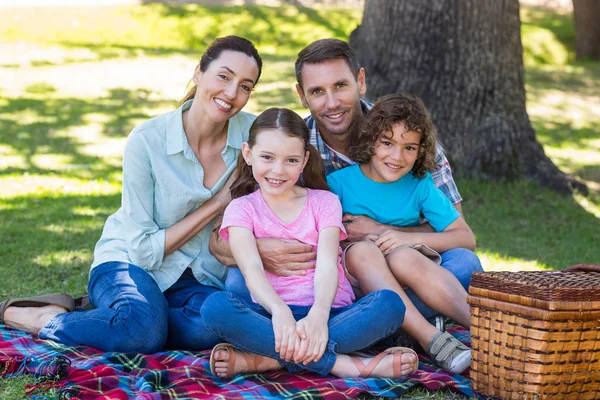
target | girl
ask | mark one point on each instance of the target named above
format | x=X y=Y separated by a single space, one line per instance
x=391 y=184
x=297 y=322
x=152 y=269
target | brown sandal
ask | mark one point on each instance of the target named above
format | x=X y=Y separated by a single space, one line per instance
x=365 y=371
x=59 y=299
x=253 y=360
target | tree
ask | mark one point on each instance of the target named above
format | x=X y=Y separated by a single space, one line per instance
x=464 y=59
x=587 y=28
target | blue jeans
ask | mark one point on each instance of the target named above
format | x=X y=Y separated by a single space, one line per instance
x=132 y=315
x=247 y=325
x=460 y=262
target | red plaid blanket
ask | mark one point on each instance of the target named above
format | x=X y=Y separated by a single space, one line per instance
x=85 y=373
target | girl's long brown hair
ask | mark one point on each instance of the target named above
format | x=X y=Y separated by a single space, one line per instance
x=290 y=123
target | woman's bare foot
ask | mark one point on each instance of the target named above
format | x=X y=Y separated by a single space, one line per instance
x=221 y=365
x=31 y=319
x=346 y=368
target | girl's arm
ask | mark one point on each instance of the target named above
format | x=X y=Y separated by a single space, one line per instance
x=313 y=329
x=245 y=252
x=457 y=234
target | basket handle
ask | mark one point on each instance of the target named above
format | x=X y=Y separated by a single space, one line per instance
x=583 y=267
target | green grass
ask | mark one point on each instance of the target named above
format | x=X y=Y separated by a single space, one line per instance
x=77 y=79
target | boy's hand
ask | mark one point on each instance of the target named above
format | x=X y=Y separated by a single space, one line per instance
x=284 y=329
x=313 y=331
x=390 y=240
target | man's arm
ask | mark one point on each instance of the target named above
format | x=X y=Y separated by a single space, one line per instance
x=281 y=257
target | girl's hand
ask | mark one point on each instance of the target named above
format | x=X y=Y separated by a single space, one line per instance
x=390 y=240
x=284 y=328
x=313 y=331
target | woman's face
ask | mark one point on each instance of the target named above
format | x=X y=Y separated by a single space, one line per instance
x=225 y=87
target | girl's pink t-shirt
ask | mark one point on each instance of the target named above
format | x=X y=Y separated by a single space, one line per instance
x=321 y=210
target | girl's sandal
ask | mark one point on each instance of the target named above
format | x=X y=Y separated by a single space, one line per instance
x=253 y=360
x=365 y=371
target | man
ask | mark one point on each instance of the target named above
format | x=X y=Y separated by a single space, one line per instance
x=330 y=84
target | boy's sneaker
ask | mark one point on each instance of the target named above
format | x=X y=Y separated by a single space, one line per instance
x=439 y=321
x=449 y=353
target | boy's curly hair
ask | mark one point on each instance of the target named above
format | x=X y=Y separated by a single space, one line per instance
x=388 y=111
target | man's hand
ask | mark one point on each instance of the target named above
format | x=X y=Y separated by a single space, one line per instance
x=286 y=257
x=359 y=226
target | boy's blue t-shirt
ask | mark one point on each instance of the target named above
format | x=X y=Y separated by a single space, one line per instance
x=397 y=203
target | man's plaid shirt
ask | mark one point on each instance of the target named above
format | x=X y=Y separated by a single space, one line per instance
x=334 y=160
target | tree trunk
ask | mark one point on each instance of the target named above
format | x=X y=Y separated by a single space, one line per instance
x=464 y=59
x=587 y=28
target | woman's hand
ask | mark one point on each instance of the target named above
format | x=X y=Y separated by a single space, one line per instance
x=223 y=196
x=313 y=331
x=284 y=328
x=390 y=240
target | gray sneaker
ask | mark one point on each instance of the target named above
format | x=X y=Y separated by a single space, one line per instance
x=449 y=353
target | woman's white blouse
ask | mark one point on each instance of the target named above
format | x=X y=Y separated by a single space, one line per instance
x=162 y=183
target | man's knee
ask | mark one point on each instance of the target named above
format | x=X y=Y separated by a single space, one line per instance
x=461 y=263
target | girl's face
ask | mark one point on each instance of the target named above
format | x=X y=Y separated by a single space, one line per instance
x=395 y=154
x=225 y=87
x=277 y=160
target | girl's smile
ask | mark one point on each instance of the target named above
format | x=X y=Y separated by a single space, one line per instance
x=277 y=161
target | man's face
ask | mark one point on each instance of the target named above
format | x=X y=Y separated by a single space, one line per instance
x=332 y=94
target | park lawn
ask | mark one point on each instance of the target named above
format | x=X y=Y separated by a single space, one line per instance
x=74 y=81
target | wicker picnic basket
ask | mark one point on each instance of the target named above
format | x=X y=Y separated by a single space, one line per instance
x=536 y=334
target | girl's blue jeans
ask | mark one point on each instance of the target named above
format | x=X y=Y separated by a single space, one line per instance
x=132 y=314
x=460 y=262
x=247 y=325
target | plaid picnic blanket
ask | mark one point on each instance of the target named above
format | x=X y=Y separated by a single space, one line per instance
x=82 y=372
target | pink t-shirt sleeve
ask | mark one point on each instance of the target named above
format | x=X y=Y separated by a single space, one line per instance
x=329 y=213
x=237 y=213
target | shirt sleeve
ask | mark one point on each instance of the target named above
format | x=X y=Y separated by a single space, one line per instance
x=334 y=185
x=329 y=213
x=145 y=240
x=237 y=213
x=443 y=179
x=435 y=206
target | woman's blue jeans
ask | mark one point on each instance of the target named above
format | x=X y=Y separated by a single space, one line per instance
x=132 y=314
x=247 y=325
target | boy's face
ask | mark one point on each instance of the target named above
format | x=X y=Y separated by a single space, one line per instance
x=332 y=94
x=395 y=154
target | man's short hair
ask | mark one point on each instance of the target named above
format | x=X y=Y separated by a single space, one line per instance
x=323 y=50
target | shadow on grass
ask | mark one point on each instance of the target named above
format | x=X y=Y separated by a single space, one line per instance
x=49 y=243
x=560 y=24
x=523 y=220
x=39 y=125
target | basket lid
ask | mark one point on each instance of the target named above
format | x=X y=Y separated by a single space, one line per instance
x=576 y=288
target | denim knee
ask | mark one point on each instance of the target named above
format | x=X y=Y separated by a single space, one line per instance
x=214 y=309
x=461 y=263
x=141 y=335
x=394 y=306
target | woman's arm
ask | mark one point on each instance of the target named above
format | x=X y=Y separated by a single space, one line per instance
x=244 y=250
x=313 y=329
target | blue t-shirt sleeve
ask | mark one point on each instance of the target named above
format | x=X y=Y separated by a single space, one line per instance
x=435 y=206
x=335 y=185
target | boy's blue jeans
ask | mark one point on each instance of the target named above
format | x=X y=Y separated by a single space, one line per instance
x=132 y=315
x=247 y=325
x=460 y=262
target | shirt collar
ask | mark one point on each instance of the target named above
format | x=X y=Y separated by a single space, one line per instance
x=177 y=141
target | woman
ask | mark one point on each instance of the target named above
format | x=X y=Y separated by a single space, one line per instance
x=152 y=270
